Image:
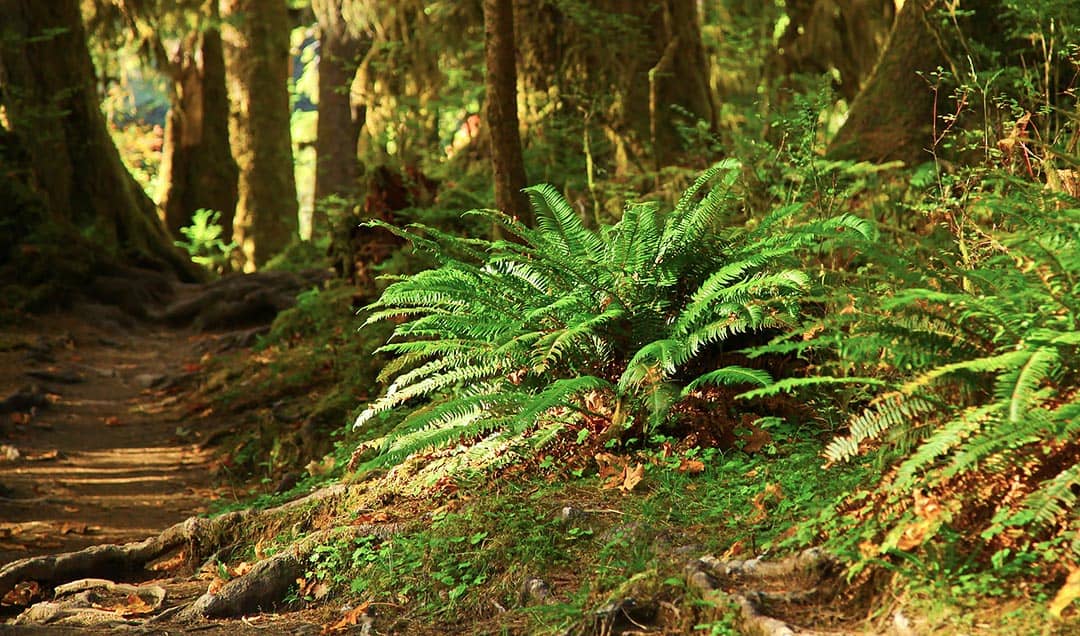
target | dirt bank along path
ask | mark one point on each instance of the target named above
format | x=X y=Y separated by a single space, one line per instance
x=92 y=443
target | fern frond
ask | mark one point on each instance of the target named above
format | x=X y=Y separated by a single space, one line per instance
x=729 y=375
x=563 y=225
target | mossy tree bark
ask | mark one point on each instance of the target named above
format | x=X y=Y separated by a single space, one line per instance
x=197 y=166
x=842 y=35
x=893 y=115
x=501 y=109
x=50 y=97
x=341 y=48
x=255 y=34
x=625 y=64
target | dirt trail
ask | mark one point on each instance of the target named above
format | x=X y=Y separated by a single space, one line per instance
x=108 y=459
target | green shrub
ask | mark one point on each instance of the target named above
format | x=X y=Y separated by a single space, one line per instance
x=511 y=341
x=980 y=367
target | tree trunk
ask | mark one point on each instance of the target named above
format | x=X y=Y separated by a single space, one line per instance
x=51 y=102
x=501 y=109
x=892 y=117
x=340 y=51
x=679 y=77
x=623 y=64
x=826 y=35
x=197 y=166
x=256 y=41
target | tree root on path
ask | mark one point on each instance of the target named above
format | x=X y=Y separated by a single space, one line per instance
x=267 y=583
x=261 y=588
x=754 y=585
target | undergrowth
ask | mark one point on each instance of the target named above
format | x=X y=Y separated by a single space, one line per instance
x=507 y=344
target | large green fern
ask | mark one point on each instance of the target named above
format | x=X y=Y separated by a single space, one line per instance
x=981 y=367
x=509 y=338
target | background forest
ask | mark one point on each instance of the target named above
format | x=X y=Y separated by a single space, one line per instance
x=568 y=294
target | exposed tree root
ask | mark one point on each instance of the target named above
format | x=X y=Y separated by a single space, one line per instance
x=197 y=537
x=265 y=586
x=235 y=301
x=755 y=585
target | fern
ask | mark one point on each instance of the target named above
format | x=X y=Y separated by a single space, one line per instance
x=504 y=339
x=982 y=372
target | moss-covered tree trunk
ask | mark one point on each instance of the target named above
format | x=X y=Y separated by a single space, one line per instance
x=841 y=36
x=677 y=76
x=51 y=102
x=341 y=48
x=893 y=115
x=627 y=66
x=197 y=166
x=255 y=34
x=501 y=109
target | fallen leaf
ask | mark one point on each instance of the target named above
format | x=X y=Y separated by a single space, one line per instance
x=691 y=466
x=736 y=548
x=350 y=619
x=757 y=439
x=376 y=517
x=132 y=605
x=112 y=420
x=73 y=528
x=609 y=465
x=215 y=586
x=633 y=477
x=192 y=367
x=23 y=594
x=1067 y=594
x=319 y=468
x=240 y=569
x=170 y=564
x=772 y=493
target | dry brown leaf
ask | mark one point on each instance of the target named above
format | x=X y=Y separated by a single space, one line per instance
x=771 y=494
x=1067 y=594
x=215 y=585
x=610 y=465
x=756 y=440
x=351 y=618
x=691 y=466
x=170 y=564
x=74 y=528
x=240 y=569
x=375 y=517
x=112 y=420
x=632 y=477
x=23 y=594
x=736 y=549
x=132 y=605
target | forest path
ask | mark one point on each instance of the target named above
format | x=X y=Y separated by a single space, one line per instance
x=105 y=459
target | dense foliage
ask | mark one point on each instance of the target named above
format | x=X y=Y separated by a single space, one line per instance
x=521 y=338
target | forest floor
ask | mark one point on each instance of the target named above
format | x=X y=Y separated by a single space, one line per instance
x=105 y=458
x=97 y=447
x=110 y=435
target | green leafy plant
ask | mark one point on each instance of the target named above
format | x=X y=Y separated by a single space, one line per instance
x=204 y=242
x=980 y=371
x=506 y=343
